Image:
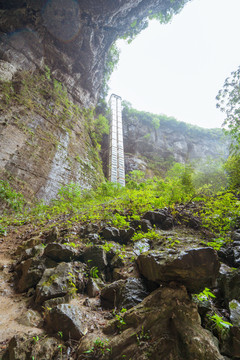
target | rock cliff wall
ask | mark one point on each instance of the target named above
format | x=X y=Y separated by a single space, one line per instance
x=154 y=146
x=72 y=38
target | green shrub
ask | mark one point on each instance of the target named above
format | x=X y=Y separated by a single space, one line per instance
x=11 y=199
x=220 y=212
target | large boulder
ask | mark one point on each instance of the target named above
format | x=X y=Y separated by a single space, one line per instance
x=30 y=318
x=60 y=252
x=67 y=319
x=35 y=251
x=94 y=287
x=230 y=345
x=194 y=268
x=229 y=283
x=110 y=233
x=236 y=235
x=57 y=282
x=165 y=325
x=24 y=348
x=29 y=272
x=161 y=218
x=234 y=307
x=95 y=256
x=122 y=236
x=236 y=254
x=123 y=294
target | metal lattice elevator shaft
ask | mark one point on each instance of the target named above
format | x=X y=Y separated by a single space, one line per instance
x=116 y=169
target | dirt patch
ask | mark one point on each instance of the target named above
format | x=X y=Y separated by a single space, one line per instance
x=12 y=305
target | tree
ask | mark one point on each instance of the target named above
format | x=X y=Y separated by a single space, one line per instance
x=228 y=101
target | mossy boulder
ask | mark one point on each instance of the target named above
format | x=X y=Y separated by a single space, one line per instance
x=29 y=272
x=56 y=282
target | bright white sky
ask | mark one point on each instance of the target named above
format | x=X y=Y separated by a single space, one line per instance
x=177 y=69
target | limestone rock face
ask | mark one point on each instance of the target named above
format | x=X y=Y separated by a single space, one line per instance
x=171 y=141
x=194 y=268
x=72 y=38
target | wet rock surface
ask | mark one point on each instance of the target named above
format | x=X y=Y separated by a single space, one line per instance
x=68 y=319
x=161 y=327
x=23 y=347
x=124 y=294
x=60 y=252
x=30 y=272
x=95 y=256
x=229 y=283
x=161 y=218
x=56 y=282
x=195 y=268
x=234 y=307
x=152 y=316
x=122 y=236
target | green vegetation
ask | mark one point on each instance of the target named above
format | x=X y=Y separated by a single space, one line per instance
x=206 y=294
x=219 y=324
x=173 y=7
x=39 y=95
x=132 y=116
x=142 y=336
x=9 y=198
x=72 y=289
x=151 y=235
x=119 y=318
x=220 y=212
x=118 y=206
x=35 y=339
x=213 y=186
x=50 y=280
x=99 y=348
x=94 y=272
x=228 y=101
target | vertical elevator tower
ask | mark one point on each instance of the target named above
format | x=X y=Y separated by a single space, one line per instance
x=116 y=169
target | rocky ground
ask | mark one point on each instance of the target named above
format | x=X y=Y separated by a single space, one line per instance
x=90 y=292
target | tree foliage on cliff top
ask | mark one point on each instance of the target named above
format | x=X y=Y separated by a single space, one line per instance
x=162 y=12
x=155 y=121
x=228 y=101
